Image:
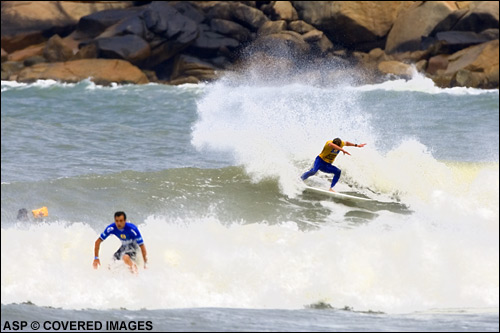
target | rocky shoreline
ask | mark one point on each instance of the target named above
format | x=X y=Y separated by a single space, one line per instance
x=455 y=43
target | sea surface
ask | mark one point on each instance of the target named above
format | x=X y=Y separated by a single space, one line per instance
x=210 y=174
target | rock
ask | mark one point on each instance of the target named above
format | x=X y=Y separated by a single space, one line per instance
x=475 y=58
x=418 y=20
x=465 y=78
x=38 y=16
x=230 y=29
x=248 y=17
x=220 y=10
x=131 y=25
x=437 y=63
x=22 y=40
x=5 y=55
x=272 y=27
x=283 y=10
x=203 y=74
x=421 y=65
x=184 y=80
x=132 y=48
x=448 y=42
x=300 y=26
x=481 y=15
x=475 y=66
x=211 y=44
x=189 y=10
x=30 y=51
x=395 y=68
x=94 y=24
x=354 y=24
x=101 y=71
x=33 y=61
x=88 y=51
x=313 y=36
x=323 y=46
x=57 y=50
x=173 y=32
x=185 y=63
x=377 y=55
x=284 y=44
x=490 y=34
x=151 y=75
x=11 y=68
x=320 y=44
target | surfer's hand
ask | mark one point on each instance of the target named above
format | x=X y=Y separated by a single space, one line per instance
x=96 y=263
x=145 y=265
x=361 y=145
x=345 y=152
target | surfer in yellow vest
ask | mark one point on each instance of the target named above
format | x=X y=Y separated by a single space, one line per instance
x=324 y=160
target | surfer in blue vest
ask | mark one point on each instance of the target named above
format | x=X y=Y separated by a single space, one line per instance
x=130 y=237
x=324 y=160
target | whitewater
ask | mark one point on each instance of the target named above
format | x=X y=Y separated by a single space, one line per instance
x=210 y=174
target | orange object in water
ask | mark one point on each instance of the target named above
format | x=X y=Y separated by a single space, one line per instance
x=40 y=212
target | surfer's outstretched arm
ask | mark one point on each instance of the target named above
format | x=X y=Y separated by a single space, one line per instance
x=360 y=145
x=96 y=262
x=144 y=254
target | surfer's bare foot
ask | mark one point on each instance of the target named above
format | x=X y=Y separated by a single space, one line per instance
x=331 y=190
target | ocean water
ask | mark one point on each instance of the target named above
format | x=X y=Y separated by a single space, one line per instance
x=210 y=174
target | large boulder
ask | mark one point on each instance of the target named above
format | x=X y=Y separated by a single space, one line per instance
x=129 y=25
x=272 y=27
x=354 y=24
x=230 y=29
x=187 y=9
x=30 y=51
x=395 y=68
x=285 y=44
x=30 y=19
x=94 y=24
x=128 y=47
x=475 y=66
x=171 y=31
x=249 y=17
x=56 y=50
x=300 y=26
x=186 y=64
x=449 y=42
x=283 y=10
x=320 y=44
x=211 y=44
x=417 y=21
x=481 y=15
x=22 y=40
x=10 y=68
x=100 y=71
x=5 y=55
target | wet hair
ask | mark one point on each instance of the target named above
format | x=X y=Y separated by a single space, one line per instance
x=337 y=141
x=120 y=214
x=22 y=214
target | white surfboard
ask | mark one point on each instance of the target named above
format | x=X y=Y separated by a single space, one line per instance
x=337 y=195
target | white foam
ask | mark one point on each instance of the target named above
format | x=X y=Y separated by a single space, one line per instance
x=421 y=83
x=275 y=132
x=392 y=264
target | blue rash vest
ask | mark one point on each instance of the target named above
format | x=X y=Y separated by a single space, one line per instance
x=128 y=235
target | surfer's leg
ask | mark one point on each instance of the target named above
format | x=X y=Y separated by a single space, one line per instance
x=336 y=173
x=336 y=176
x=313 y=170
x=130 y=263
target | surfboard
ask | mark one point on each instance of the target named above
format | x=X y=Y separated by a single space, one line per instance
x=336 y=195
